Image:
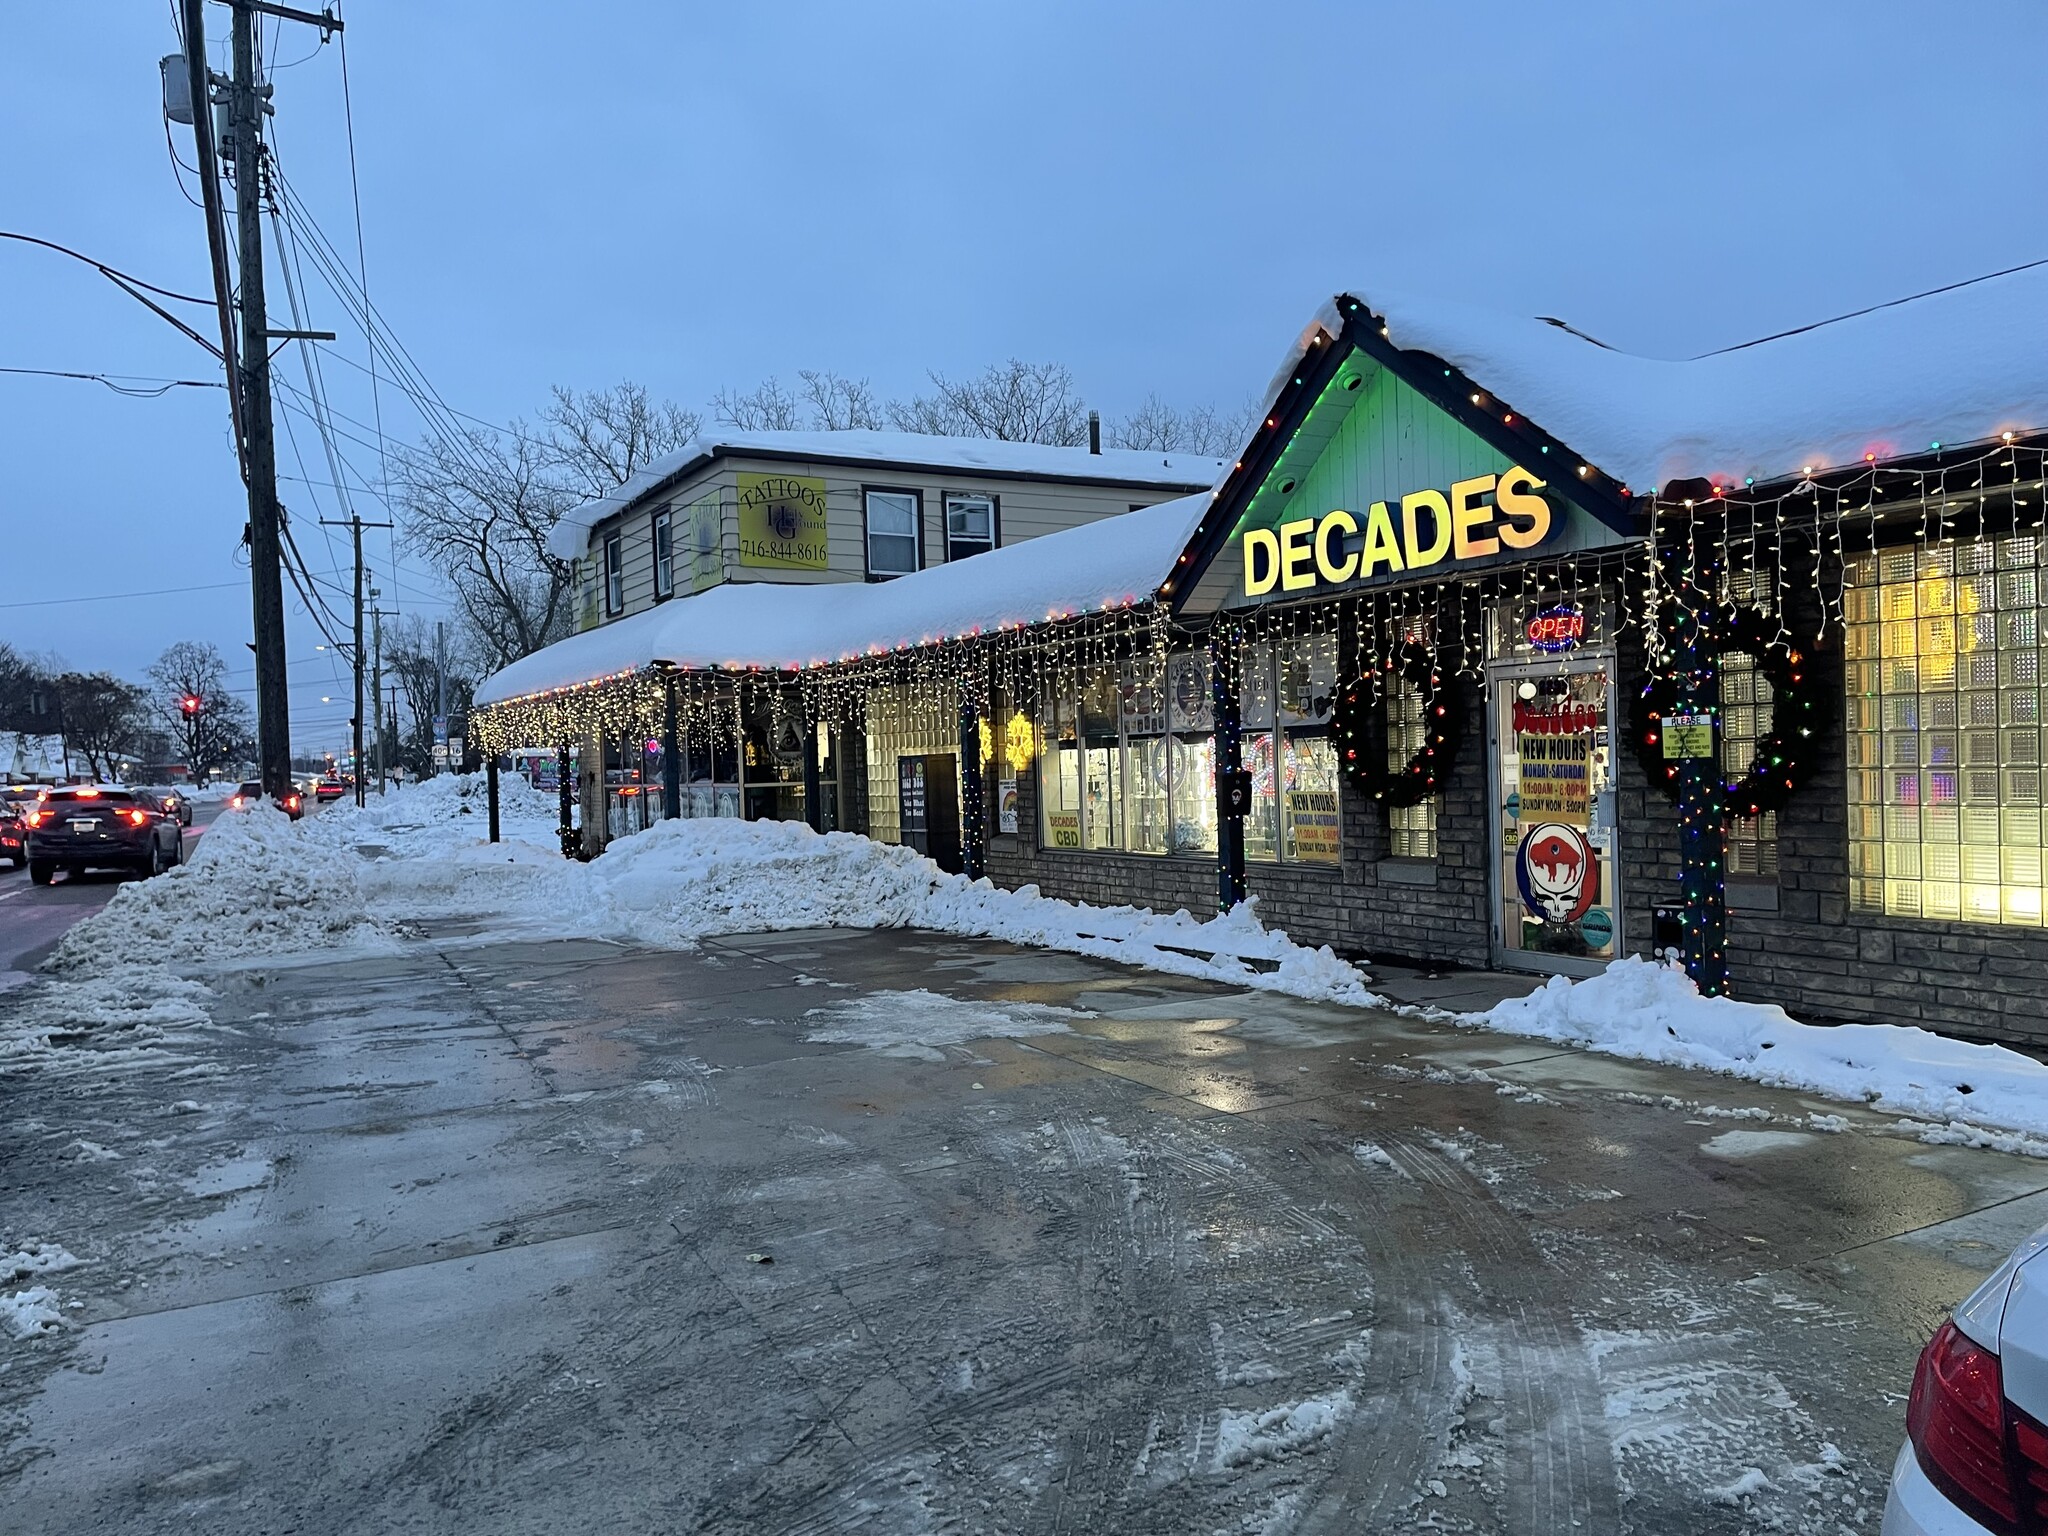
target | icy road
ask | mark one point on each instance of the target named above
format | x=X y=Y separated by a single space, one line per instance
x=891 y=1232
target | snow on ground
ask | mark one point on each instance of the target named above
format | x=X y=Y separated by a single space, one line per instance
x=35 y=1258
x=28 y=1313
x=1268 y=1435
x=1653 y=1013
x=125 y=1017
x=915 y=1024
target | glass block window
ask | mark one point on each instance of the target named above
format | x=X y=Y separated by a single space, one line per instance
x=1746 y=717
x=1943 y=710
x=1411 y=829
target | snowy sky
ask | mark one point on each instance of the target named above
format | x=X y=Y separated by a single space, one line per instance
x=1155 y=194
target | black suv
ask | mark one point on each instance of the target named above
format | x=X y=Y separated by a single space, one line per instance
x=90 y=826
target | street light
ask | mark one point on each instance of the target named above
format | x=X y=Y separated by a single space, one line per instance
x=671 y=758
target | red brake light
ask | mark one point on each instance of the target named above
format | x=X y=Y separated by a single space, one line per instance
x=291 y=802
x=136 y=818
x=1956 y=1418
x=88 y=794
x=35 y=818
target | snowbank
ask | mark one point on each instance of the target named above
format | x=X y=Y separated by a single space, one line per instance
x=1652 y=1013
x=256 y=884
x=28 y=1313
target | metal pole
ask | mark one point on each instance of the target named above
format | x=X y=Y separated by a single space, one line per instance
x=377 y=687
x=1228 y=768
x=566 y=784
x=973 y=839
x=266 y=580
x=491 y=782
x=441 y=686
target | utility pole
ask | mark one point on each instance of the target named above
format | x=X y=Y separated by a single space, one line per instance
x=249 y=373
x=441 y=686
x=377 y=686
x=355 y=524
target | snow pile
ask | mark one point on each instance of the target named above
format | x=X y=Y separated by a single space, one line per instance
x=438 y=814
x=1654 y=1013
x=256 y=885
x=34 y=1258
x=681 y=881
x=28 y=1313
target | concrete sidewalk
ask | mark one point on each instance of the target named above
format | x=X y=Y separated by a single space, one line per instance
x=522 y=1237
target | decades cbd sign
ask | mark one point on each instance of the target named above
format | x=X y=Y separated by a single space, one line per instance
x=1336 y=548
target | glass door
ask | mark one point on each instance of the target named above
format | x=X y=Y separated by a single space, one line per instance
x=1556 y=892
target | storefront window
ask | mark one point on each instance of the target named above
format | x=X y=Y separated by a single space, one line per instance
x=1127 y=757
x=1746 y=717
x=1411 y=829
x=1943 y=703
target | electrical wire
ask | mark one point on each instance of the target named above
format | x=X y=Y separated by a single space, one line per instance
x=120 y=597
x=164 y=386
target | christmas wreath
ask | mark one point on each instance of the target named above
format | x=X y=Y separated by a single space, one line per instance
x=1360 y=722
x=1784 y=755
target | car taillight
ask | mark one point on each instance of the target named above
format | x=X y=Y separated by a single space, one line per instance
x=235 y=804
x=136 y=818
x=35 y=818
x=291 y=802
x=1956 y=1418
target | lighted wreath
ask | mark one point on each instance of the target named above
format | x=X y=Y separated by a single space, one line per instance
x=1360 y=722
x=1784 y=755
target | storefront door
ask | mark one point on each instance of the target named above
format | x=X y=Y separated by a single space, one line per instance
x=1556 y=889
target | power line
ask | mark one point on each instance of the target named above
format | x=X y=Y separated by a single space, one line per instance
x=103 y=268
x=164 y=386
x=119 y=597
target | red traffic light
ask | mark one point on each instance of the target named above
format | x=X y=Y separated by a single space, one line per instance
x=191 y=703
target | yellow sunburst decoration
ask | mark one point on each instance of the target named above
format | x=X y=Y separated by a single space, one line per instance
x=1020 y=743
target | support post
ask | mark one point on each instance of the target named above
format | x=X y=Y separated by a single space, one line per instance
x=491 y=783
x=671 y=749
x=814 y=794
x=565 y=783
x=973 y=826
x=1233 y=787
x=1701 y=844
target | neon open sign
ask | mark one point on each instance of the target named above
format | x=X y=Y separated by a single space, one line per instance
x=1557 y=629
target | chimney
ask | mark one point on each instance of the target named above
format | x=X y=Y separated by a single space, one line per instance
x=1095 y=431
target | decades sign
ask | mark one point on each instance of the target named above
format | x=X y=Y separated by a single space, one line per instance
x=1335 y=549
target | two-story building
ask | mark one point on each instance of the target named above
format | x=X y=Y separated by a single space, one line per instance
x=805 y=508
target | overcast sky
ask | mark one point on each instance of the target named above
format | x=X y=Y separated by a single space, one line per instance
x=1156 y=195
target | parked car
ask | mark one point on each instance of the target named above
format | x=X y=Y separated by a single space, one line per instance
x=176 y=803
x=1975 y=1461
x=101 y=826
x=329 y=789
x=250 y=794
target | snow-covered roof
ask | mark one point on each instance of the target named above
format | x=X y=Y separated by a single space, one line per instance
x=1113 y=562
x=970 y=455
x=1952 y=367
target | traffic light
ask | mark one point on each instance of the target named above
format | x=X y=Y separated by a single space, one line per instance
x=191 y=703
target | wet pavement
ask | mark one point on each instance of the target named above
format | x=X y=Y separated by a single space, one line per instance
x=511 y=1238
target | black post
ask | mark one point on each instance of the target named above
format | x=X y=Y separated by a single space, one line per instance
x=566 y=782
x=671 y=751
x=1693 y=737
x=814 y=794
x=491 y=782
x=973 y=831
x=1233 y=793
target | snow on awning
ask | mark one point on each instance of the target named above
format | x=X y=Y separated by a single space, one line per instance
x=969 y=455
x=1116 y=562
x=1963 y=365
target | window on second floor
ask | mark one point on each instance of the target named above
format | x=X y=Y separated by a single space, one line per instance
x=893 y=541
x=970 y=525
x=614 y=574
x=664 y=554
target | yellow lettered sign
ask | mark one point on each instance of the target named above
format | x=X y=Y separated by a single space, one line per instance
x=782 y=522
x=1556 y=782
x=1064 y=827
x=1313 y=823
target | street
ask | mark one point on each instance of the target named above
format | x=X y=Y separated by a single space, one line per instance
x=509 y=1237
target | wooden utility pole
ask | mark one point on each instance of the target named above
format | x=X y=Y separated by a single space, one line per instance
x=355 y=525
x=266 y=578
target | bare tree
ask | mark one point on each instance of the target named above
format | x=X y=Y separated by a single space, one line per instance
x=99 y=716
x=189 y=697
x=479 y=508
x=603 y=437
x=409 y=658
x=1016 y=401
x=839 y=404
x=767 y=407
x=1158 y=426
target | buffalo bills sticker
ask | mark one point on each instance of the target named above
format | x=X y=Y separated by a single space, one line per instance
x=1557 y=873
